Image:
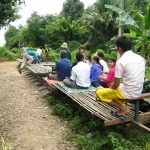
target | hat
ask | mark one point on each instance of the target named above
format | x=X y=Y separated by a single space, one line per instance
x=64 y=45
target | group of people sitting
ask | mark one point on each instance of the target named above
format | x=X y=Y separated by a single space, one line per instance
x=124 y=80
x=84 y=73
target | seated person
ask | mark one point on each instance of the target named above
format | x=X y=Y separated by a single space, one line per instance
x=80 y=74
x=28 y=57
x=102 y=62
x=109 y=80
x=63 y=68
x=82 y=50
x=130 y=67
x=96 y=70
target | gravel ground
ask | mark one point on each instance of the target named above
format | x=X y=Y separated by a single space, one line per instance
x=26 y=122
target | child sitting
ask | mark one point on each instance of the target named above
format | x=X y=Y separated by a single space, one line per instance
x=96 y=70
x=109 y=80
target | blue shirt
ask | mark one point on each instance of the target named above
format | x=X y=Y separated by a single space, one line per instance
x=68 y=54
x=95 y=72
x=63 y=68
x=33 y=53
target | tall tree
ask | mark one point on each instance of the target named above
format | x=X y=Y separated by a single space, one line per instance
x=73 y=9
x=8 y=11
x=11 y=37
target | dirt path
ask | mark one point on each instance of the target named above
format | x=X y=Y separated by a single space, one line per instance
x=25 y=117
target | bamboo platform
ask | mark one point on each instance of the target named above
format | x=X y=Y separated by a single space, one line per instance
x=40 y=69
x=98 y=108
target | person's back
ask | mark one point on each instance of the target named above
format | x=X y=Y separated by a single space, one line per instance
x=33 y=54
x=63 y=68
x=39 y=52
x=82 y=73
x=133 y=73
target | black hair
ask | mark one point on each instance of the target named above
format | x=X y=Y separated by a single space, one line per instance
x=124 y=43
x=113 y=60
x=79 y=57
x=82 y=47
x=63 y=54
x=100 y=55
x=96 y=58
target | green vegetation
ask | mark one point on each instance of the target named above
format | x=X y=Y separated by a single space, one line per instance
x=8 y=10
x=88 y=132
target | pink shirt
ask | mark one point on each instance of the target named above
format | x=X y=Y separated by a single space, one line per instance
x=110 y=77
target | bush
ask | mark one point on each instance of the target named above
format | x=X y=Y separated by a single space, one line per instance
x=73 y=45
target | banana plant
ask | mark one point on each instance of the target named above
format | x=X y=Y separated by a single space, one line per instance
x=140 y=32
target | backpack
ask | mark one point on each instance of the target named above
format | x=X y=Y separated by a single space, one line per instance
x=144 y=105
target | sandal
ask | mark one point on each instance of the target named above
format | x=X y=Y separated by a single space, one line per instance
x=120 y=117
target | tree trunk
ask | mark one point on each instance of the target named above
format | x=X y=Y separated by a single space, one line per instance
x=121 y=30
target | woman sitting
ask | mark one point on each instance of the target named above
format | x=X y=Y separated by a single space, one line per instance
x=109 y=80
x=96 y=70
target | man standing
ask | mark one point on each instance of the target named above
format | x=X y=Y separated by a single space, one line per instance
x=65 y=47
x=130 y=67
x=28 y=58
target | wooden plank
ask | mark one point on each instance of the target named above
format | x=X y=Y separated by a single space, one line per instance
x=142 y=126
x=145 y=95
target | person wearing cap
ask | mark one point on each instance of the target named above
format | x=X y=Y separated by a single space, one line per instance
x=64 y=46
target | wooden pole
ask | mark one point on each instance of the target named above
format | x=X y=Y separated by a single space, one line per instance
x=121 y=29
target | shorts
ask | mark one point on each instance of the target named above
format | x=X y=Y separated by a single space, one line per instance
x=109 y=95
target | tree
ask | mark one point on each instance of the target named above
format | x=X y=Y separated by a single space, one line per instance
x=12 y=37
x=34 y=34
x=8 y=11
x=73 y=9
x=140 y=32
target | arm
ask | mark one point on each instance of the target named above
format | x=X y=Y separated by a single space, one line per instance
x=92 y=73
x=73 y=75
x=116 y=83
x=37 y=59
x=118 y=75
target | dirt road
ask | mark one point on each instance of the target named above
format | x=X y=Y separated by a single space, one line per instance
x=26 y=122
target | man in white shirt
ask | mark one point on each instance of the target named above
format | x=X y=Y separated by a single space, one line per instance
x=103 y=63
x=80 y=74
x=39 y=52
x=130 y=67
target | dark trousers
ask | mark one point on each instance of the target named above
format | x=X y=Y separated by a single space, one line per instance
x=99 y=83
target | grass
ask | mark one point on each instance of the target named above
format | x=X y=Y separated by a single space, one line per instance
x=148 y=72
x=88 y=132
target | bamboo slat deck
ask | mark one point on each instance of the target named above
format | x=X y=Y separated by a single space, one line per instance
x=88 y=101
x=100 y=109
x=40 y=69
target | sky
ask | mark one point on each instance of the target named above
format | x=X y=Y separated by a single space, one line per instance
x=43 y=7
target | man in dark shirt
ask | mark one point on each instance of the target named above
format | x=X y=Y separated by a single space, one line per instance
x=63 y=68
x=64 y=46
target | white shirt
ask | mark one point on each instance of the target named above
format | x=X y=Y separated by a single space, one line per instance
x=131 y=67
x=81 y=74
x=39 y=52
x=105 y=66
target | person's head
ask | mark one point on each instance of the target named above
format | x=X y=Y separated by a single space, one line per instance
x=79 y=57
x=63 y=54
x=82 y=49
x=112 y=62
x=95 y=60
x=123 y=44
x=100 y=55
x=64 y=46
